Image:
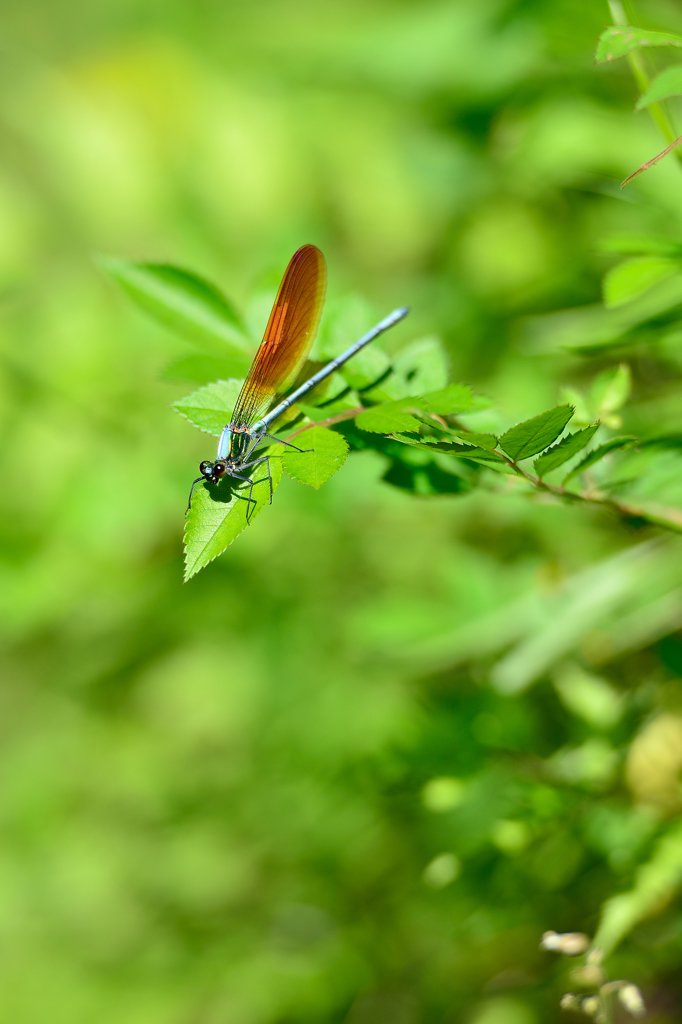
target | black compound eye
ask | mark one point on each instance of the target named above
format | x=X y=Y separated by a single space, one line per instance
x=218 y=470
x=206 y=468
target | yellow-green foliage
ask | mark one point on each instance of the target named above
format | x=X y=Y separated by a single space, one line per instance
x=356 y=768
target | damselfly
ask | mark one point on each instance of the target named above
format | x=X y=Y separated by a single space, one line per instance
x=288 y=338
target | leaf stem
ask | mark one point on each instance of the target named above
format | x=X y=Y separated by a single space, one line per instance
x=641 y=75
x=657 y=515
x=347 y=414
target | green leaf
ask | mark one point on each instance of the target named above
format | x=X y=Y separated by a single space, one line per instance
x=419 y=367
x=665 y=85
x=564 y=450
x=488 y=441
x=365 y=368
x=619 y=40
x=448 y=401
x=656 y=882
x=598 y=453
x=386 y=419
x=218 y=514
x=632 y=278
x=182 y=300
x=611 y=389
x=329 y=452
x=391 y=417
x=650 y=245
x=210 y=407
x=532 y=436
x=461 y=451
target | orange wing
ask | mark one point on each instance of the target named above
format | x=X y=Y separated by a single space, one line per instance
x=288 y=337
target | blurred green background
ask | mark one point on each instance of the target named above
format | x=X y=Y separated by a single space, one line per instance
x=356 y=768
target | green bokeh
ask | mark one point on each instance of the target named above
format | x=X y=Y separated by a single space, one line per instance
x=212 y=796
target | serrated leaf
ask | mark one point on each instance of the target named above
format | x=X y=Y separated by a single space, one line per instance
x=449 y=401
x=314 y=468
x=619 y=40
x=386 y=419
x=612 y=445
x=184 y=301
x=611 y=389
x=632 y=278
x=665 y=85
x=396 y=416
x=210 y=407
x=461 y=451
x=218 y=514
x=564 y=450
x=488 y=441
x=532 y=436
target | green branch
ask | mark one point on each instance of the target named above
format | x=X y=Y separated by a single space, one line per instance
x=642 y=77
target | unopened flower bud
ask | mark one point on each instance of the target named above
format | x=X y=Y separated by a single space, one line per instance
x=590 y=976
x=631 y=998
x=591 y=1006
x=568 y=943
x=569 y=1002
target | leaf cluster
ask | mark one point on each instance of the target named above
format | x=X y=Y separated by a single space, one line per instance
x=430 y=437
x=625 y=40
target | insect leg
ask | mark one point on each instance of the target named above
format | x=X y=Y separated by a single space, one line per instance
x=191 y=492
x=287 y=443
x=256 y=462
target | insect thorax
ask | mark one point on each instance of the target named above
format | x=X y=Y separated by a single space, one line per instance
x=241 y=439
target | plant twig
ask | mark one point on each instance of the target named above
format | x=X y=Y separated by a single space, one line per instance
x=657 y=515
x=347 y=414
x=656 y=112
x=650 y=163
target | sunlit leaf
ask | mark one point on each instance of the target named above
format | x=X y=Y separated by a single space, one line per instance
x=632 y=278
x=386 y=419
x=532 y=436
x=329 y=451
x=612 y=445
x=655 y=883
x=461 y=451
x=210 y=407
x=419 y=367
x=449 y=401
x=182 y=300
x=218 y=514
x=391 y=417
x=665 y=85
x=611 y=389
x=564 y=450
x=619 y=40
x=488 y=441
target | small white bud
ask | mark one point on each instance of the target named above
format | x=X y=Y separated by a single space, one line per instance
x=569 y=1002
x=588 y=977
x=568 y=943
x=591 y=1006
x=631 y=998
